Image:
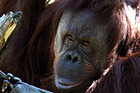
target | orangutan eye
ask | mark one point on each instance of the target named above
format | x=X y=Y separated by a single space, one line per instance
x=85 y=44
x=69 y=39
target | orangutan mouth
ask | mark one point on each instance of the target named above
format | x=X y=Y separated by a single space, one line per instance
x=61 y=85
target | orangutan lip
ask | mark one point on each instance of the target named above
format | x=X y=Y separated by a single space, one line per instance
x=66 y=86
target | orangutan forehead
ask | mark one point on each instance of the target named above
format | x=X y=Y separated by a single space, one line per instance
x=77 y=20
x=81 y=21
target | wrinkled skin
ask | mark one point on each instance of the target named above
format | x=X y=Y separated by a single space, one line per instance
x=80 y=49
